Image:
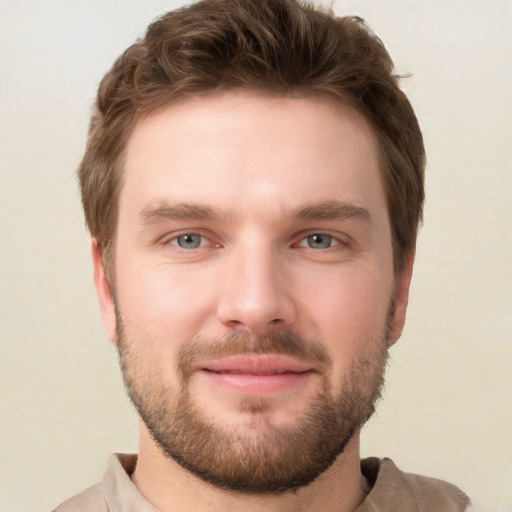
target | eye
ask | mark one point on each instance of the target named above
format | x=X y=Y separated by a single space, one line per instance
x=319 y=241
x=189 y=241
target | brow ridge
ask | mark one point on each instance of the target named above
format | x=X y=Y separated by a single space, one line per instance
x=332 y=210
x=162 y=210
x=323 y=210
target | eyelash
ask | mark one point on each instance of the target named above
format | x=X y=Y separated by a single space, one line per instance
x=175 y=240
x=333 y=241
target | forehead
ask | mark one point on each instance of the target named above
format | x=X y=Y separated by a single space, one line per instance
x=238 y=150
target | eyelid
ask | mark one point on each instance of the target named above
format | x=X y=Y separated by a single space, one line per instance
x=202 y=239
x=340 y=239
x=173 y=237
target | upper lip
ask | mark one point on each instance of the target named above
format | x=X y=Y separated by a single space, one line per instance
x=256 y=364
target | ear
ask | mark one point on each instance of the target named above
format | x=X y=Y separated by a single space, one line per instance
x=402 y=285
x=104 y=292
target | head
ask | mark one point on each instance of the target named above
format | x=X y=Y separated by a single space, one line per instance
x=277 y=47
x=253 y=182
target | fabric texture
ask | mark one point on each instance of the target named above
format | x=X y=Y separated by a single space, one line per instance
x=392 y=490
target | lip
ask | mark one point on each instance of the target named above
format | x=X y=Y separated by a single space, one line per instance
x=256 y=375
x=256 y=364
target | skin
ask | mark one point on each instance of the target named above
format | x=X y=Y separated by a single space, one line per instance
x=256 y=161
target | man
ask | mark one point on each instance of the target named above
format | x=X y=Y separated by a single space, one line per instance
x=253 y=185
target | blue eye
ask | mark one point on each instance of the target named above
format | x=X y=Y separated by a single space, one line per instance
x=188 y=241
x=319 y=241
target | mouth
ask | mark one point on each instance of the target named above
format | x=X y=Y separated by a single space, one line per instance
x=256 y=374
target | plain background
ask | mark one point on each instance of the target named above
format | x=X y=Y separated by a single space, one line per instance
x=447 y=406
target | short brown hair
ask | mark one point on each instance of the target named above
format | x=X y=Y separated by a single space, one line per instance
x=280 y=47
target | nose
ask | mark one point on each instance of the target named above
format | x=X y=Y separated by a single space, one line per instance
x=255 y=293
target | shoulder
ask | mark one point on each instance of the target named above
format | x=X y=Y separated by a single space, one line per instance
x=90 y=500
x=409 y=491
x=436 y=492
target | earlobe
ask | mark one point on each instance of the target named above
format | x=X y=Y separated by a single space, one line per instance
x=104 y=292
x=401 y=298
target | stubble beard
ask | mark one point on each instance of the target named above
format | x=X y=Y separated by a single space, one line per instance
x=261 y=458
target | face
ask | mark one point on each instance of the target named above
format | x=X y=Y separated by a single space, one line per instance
x=254 y=290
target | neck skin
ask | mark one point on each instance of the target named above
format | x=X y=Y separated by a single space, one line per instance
x=169 y=487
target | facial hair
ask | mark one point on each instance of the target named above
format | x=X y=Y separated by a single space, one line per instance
x=262 y=458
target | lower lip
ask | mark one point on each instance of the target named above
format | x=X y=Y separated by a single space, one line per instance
x=256 y=385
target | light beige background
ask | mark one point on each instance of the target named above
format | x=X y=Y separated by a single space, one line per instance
x=448 y=405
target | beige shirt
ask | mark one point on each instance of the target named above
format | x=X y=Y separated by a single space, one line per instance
x=392 y=491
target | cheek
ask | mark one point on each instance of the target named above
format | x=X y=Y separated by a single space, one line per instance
x=347 y=310
x=165 y=305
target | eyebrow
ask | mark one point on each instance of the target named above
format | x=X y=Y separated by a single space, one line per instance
x=332 y=210
x=324 y=210
x=162 y=211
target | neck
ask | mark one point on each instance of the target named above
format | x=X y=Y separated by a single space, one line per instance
x=169 y=487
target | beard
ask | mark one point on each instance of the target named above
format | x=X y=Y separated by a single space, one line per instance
x=260 y=457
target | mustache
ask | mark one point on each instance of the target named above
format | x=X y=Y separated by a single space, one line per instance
x=242 y=343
